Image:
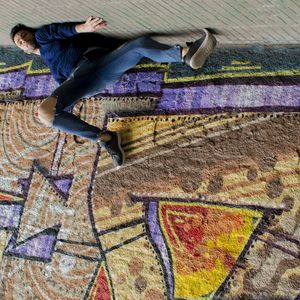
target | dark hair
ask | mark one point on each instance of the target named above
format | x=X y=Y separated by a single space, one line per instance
x=20 y=27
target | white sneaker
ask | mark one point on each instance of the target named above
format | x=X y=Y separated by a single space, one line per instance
x=200 y=50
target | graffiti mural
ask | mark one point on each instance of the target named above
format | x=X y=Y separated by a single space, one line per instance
x=205 y=207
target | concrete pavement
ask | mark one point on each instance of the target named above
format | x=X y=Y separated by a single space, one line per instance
x=237 y=21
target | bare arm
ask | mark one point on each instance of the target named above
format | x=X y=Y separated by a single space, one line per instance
x=91 y=24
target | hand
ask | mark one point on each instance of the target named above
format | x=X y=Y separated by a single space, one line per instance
x=91 y=24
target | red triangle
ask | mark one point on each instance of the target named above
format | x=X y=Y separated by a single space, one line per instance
x=101 y=290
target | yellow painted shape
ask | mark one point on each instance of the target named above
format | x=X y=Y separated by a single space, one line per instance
x=4 y=238
x=202 y=282
x=104 y=220
x=138 y=132
x=114 y=238
x=239 y=68
x=165 y=121
x=245 y=189
x=166 y=67
x=119 y=260
x=236 y=186
x=27 y=65
x=232 y=243
x=190 y=287
x=233 y=75
x=233 y=178
x=133 y=129
x=288 y=164
x=240 y=62
x=237 y=183
x=292 y=72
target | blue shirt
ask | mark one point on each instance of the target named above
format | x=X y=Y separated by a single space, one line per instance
x=58 y=50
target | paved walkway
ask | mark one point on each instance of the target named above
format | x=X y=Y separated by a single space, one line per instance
x=238 y=21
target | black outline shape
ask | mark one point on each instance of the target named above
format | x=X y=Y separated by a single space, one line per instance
x=122 y=226
x=125 y=242
x=76 y=255
x=77 y=243
x=49 y=231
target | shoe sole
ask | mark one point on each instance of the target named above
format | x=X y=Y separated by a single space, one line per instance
x=119 y=145
x=206 y=48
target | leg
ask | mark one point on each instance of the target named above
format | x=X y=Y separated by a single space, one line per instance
x=109 y=68
x=129 y=54
x=68 y=122
x=65 y=121
x=53 y=110
x=91 y=78
x=111 y=141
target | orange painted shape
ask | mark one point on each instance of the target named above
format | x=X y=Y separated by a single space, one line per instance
x=190 y=229
x=7 y=197
x=204 y=242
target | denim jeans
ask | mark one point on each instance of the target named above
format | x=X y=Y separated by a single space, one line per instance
x=91 y=76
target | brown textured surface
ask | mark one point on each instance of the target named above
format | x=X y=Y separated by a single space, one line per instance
x=253 y=147
x=258 y=150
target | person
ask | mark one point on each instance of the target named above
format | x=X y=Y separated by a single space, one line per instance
x=84 y=71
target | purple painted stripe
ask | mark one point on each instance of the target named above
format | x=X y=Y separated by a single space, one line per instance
x=10 y=215
x=132 y=83
x=157 y=237
x=42 y=85
x=40 y=247
x=13 y=80
x=230 y=96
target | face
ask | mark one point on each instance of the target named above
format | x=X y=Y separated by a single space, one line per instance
x=25 y=40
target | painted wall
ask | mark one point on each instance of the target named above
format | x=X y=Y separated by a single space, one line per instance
x=206 y=206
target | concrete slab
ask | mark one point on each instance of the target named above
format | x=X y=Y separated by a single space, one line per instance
x=238 y=22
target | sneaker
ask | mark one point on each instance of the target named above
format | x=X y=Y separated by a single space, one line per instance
x=114 y=149
x=200 y=50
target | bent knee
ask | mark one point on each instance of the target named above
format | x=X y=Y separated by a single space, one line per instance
x=46 y=111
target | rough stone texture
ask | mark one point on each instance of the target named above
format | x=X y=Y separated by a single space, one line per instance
x=238 y=22
x=207 y=204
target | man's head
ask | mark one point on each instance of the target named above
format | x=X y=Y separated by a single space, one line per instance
x=24 y=38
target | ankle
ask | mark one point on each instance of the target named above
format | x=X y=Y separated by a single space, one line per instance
x=184 y=51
